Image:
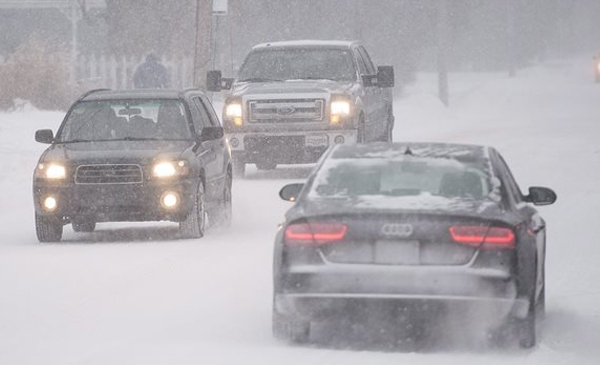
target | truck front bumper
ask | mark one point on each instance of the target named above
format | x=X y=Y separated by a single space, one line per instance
x=286 y=148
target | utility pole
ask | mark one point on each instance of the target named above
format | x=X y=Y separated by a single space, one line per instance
x=443 y=51
x=510 y=38
x=358 y=19
x=203 y=49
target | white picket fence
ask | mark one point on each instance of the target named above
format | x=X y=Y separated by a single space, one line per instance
x=116 y=72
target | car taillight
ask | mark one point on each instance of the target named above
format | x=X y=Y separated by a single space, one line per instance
x=314 y=234
x=484 y=237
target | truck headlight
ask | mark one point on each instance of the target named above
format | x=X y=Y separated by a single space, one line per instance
x=340 y=109
x=170 y=169
x=51 y=171
x=233 y=112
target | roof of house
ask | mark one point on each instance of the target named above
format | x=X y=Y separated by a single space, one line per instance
x=48 y=4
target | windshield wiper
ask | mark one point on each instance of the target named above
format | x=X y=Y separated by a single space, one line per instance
x=80 y=140
x=315 y=78
x=137 y=139
x=260 y=79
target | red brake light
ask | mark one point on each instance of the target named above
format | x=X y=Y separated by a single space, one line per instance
x=483 y=236
x=314 y=234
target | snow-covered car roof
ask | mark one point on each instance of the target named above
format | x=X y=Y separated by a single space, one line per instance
x=138 y=94
x=418 y=149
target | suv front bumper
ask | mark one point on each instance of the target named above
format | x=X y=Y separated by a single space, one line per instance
x=115 y=202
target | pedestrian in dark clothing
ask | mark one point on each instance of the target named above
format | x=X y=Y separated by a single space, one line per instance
x=151 y=74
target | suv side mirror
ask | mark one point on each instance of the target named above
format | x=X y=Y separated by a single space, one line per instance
x=211 y=133
x=385 y=76
x=540 y=196
x=290 y=192
x=44 y=136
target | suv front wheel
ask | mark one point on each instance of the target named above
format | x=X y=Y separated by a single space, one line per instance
x=195 y=222
x=48 y=229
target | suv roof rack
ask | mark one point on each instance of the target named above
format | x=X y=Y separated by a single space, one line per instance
x=89 y=92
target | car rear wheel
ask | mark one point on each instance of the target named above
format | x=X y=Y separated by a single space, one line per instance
x=195 y=222
x=84 y=226
x=48 y=229
x=290 y=330
x=526 y=329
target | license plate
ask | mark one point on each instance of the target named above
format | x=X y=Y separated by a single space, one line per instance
x=397 y=252
x=317 y=140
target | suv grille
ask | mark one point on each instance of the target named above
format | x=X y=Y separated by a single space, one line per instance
x=108 y=174
x=267 y=111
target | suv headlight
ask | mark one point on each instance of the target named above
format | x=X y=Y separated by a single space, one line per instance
x=341 y=107
x=169 y=169
x=233 y=111
x=50 y=171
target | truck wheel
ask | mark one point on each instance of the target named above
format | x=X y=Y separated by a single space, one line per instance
x=195 y=222
x=287 y=330
x=360 y=134
x=48 y=229
x=389 y=133
x=84 y=226
x=239 y=169
x=266 y=166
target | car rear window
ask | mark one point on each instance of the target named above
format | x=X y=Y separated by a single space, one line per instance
x=407 y=176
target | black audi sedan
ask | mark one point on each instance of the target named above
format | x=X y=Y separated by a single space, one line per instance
x=139 y=155
x=422 y=230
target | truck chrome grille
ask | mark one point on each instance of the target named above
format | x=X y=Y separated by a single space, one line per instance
x=108 y=174
x=267 y=111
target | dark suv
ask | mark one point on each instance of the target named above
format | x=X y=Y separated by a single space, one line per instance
x=142 y=155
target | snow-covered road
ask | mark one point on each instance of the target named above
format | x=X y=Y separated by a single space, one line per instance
x=128 y=294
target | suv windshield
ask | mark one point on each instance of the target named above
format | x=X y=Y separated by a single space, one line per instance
x=104 y=120
x=298 y=63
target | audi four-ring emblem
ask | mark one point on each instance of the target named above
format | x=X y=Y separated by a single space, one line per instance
x=397 y=229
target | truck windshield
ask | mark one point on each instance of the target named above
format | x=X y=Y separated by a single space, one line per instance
x=298 y=63
x=124 y=120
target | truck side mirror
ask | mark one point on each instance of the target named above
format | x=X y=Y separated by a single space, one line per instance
x=213 y=80
x=385 y=76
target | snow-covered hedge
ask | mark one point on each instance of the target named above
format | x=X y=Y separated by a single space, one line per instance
x=37 y=73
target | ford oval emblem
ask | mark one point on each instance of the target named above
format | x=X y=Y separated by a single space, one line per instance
x=286 y=110
x=397 y=229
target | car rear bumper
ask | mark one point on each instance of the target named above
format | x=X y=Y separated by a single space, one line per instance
x=316 y=293
x=287 y=148
x=116 y=202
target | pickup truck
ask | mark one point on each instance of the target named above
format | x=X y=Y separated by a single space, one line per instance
x=292 y=100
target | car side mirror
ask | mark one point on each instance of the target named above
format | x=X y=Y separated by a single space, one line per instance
x=385 y=76
x=44 y=136
x=541 y=196
x=211 y=133
x=290 y=192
